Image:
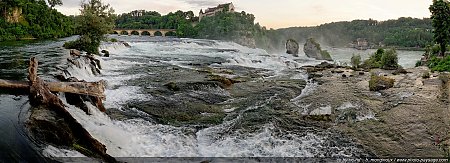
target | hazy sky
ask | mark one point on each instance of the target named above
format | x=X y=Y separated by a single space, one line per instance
x=281 y=13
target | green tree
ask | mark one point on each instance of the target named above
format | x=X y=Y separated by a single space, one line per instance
x=440 y=11
x=54 y=3
x=389 y=60
x=95 y=21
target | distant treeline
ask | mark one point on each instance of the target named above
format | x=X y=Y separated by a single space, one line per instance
x=141 y=19
x=223 y=26
x=32 y=19
x=403 y=32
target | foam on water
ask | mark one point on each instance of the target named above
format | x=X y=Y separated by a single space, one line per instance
x=51 y=151
x=141 y=138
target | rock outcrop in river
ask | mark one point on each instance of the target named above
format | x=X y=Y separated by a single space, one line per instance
x=292 y=47
x=312 y=49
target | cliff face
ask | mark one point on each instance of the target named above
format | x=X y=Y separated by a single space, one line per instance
x=312 y=49
x=246 y=41
x=12 y=15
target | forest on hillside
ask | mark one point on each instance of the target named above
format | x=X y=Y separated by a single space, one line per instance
x=33 y=19
x=223 y=26
x=402 y=32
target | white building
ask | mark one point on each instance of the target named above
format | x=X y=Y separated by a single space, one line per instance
x=228 y=7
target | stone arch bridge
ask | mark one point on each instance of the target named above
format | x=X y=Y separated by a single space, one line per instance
x=140 y=32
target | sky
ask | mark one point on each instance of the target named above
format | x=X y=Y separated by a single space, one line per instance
x=280 y=13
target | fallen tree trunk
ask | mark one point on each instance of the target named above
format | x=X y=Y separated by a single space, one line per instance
x=14 y=84
x=40 y=95
x=95 y=89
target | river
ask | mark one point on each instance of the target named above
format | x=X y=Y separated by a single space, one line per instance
x=256 y=117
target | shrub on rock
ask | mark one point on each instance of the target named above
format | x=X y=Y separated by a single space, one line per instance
x=377 y=83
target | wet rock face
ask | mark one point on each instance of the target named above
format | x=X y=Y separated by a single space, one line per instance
x=312 y=49
x=126 y=44
x=292 y=47
x=45 y=125
x=105 y=53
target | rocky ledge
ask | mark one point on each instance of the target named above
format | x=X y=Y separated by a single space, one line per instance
x=409 y=119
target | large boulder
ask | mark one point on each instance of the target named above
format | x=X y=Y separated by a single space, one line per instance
x=312 y=49
x=292 y=47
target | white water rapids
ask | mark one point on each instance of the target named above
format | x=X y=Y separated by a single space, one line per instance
x=141 y=138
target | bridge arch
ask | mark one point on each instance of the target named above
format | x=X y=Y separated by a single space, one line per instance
x=170 y=33
x=146 y=33
x=124 y=32
x=135 y=32
x=158 y=33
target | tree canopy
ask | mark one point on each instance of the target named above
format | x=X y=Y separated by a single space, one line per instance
x=440 y=17
x=141 y=19
x=35 y=19
x=95 y=21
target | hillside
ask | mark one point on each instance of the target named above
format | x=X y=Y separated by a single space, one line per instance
x=403 y=32
x=32 y=19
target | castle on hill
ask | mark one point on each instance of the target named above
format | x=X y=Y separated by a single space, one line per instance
x=228 y=7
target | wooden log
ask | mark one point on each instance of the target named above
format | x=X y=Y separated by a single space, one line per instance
x=95 y=89
x=40 y=95
x=14 y=84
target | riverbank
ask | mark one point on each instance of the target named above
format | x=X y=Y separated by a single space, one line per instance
x=409 y=119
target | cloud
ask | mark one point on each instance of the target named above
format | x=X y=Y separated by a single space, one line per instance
x=278 y=14
x=203 y=3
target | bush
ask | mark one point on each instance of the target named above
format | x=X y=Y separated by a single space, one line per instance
x=356 y=60
x=377 y=56
x=382 y=59
x=389 y=60
x=326 y=55
x=378 y=83
x=72 y=44
x=83 y=44
x=432 y=50
x=371 y=63
x=439 y=64
x=418 y=63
